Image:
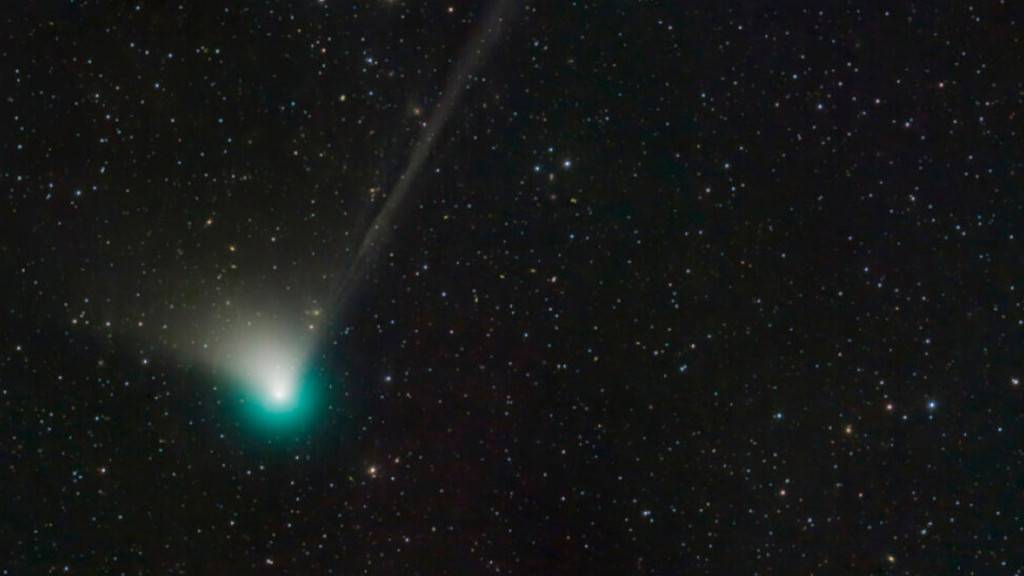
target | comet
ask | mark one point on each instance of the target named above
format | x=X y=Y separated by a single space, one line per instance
x=269 y=361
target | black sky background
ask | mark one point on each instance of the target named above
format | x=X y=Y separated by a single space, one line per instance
x=684 y=288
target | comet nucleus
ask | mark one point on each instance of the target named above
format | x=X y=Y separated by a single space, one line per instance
x=271 y=373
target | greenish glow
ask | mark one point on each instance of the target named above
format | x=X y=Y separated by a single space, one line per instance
x=275 y=379
x=282 y=404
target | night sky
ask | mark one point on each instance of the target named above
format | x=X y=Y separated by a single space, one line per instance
x=512 y=287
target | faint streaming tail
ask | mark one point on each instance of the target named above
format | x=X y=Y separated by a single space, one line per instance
x=472 y=57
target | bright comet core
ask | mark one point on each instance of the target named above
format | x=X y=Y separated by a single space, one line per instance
x=280 y=390
x=269 y=368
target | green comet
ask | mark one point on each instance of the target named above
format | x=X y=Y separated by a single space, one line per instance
x=283 y=404
x=276 y=382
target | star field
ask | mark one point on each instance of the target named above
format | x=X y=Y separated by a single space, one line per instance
x=512 y=287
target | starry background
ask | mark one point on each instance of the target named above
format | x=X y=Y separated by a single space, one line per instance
x=683 y=288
